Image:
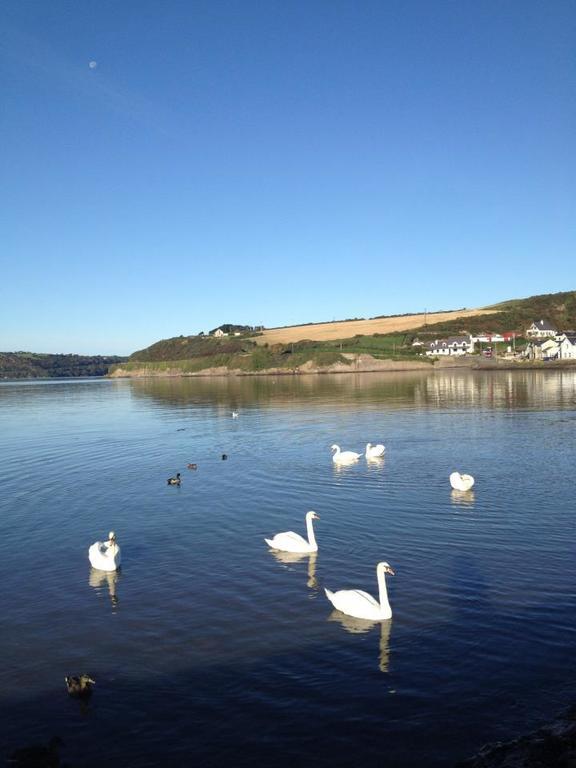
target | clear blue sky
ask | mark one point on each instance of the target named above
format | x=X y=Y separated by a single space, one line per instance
x=277 y=162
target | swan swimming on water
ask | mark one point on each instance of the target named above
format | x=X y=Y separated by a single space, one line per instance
x=344 y=457
x=461 y=482
x=374 y=451
x=105 y=555
x=355 y=602
x=288 y=541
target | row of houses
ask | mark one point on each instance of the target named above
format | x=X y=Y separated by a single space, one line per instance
x=561 y=347
x=545 y=343
x=462 y=345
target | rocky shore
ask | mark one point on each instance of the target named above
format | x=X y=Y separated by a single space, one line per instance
x=357 y=364
x=552 y=746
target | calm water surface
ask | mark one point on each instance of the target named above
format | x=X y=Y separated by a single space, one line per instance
x=210 y=650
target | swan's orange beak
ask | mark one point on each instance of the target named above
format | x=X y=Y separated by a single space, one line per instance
x=390 y=571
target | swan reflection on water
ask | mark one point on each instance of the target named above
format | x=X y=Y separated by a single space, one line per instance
x=375 y=461
x=462 y=498
x=290 y=558
x=99 y=579
x=361 y=627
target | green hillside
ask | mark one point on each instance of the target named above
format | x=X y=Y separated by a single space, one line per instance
x=191 y=354
x=515 y=315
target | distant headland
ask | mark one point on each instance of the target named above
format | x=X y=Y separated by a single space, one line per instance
x=530 y=332
x=533 y=332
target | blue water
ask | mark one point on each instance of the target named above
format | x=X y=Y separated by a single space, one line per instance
x=210 y=650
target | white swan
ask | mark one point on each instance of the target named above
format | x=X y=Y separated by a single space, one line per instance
x=461 y=482
x=105 y=555
x=374 y=451
x=343 y=457
x=288 y=541
x=355 y=602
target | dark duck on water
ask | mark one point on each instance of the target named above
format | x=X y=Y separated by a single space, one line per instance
x=80 y=687
x=174 y=480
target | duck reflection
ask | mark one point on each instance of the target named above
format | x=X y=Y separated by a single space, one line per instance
x=361 y=627
x=99 y=579
x=462 y=498
x=289 y=558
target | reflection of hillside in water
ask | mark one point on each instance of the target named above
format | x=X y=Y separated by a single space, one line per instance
x=498 y=389
x=236 y=392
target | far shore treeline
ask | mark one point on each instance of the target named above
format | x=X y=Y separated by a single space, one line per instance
x=30 y=365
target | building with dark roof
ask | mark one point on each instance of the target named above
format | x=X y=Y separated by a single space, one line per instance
x=541 y=329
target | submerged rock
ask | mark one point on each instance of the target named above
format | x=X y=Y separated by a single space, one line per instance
x=552 y=746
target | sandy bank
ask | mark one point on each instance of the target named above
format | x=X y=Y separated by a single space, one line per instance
x=358 y=364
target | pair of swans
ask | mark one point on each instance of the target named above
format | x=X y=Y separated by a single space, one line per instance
x=353 y=602
x=348 y=457
x=105 y=555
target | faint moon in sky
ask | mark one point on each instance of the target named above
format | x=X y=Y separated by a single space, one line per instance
x=93 y=64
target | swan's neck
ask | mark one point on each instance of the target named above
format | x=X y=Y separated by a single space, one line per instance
x=310 y=532
x=383 y=594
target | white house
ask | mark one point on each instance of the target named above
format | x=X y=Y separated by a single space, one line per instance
x=541 y=330
x=547 y=349
x=566 y=345
x=550 y=349
x=454 y=345
x=219 y=333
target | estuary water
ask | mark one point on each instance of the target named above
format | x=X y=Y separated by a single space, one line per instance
x=210 y=650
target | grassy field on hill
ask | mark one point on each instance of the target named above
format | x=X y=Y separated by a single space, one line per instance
x=349 y=328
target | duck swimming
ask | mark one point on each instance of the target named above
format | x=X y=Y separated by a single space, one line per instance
x=192 y=466
x=174 y=480
x=79 y=687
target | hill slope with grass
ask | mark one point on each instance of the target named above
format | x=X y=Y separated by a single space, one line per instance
x=337 y=346
x=515 y=315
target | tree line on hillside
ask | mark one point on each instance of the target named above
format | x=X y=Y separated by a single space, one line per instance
x=516 y=315
x=30 y=365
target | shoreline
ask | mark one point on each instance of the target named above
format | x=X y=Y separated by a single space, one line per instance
x=358 y=364
x=553 y=744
